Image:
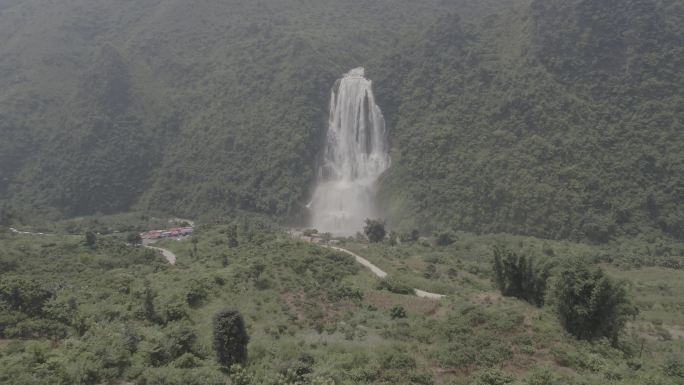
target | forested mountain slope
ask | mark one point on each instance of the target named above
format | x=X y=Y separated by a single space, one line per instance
x=559 y=119
x=178 y=106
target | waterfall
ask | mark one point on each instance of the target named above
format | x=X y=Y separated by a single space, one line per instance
x=355 y=155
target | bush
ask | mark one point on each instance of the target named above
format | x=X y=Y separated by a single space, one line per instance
x=230 y=337
x=197 y=293
x=177 y=376
x=589 y=304
x=445 y=238
x=673 y=367
x=90 y=238
x=431 y=272
x=493 y=377
x=374 y=230
x=297 y=370
x=24 y=295
x=398 y=311
x=393 y=238
x=519 y=276
x=179 y=340
x=394 y=286
x=309 y=232
x=186 y=361
x=133 y=238
x=411 y=236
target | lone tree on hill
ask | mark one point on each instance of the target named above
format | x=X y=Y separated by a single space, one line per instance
x=230 y=337
x=374 y=230
x=90 y=238
x=590 y=305
x=519 y=276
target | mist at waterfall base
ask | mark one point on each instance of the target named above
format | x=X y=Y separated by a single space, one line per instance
x=355 y=155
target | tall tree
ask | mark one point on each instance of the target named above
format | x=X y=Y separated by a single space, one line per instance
x=230 y=337
x=90 y=238
x=590 y=305
x=374 y=230
x=520 y=276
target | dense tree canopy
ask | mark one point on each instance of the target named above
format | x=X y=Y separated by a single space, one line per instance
x=552 y=118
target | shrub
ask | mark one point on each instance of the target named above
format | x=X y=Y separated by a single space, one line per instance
x=673 y=367
x=230 y=337
x=186 y=361
x=24 y=295
x=133 y=238
x=431 y=272
x=374 y=230
x=519 y=276
x=411 y=236
x=394 y=286
x=469 y=347
x=297 y=370
x=309 y=232
x=179 y=340
x=178 y=376
x=197 y=293
x=341 y=291
x=398 y=311
x=493 y=377
x=90 y=238
x=589 y=304
x=445 y=238
x=393 y=238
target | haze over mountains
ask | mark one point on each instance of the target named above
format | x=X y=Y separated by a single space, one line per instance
x=559 y=119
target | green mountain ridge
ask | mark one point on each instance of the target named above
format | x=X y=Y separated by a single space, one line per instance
x=509 y=141
x=558 y=119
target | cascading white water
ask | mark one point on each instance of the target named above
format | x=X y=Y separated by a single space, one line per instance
x=355 y=155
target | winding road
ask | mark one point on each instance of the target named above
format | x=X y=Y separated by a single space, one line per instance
x=169 y=255
x=171 y=258
x=380 y=273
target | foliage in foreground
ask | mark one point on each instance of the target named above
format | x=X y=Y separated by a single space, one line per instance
x=313 y=315
x=230 y=337
x=520 y=276
x=591 y=305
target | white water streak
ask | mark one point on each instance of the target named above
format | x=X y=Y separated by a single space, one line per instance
x=355 y=156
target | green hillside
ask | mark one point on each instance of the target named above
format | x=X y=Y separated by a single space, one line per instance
x=557 y=119
x=549 y=118
x=113 y=313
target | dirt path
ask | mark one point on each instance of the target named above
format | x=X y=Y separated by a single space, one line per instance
x=427 y=294
x=380 y=273
x=376 y=270
x=170 y=256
